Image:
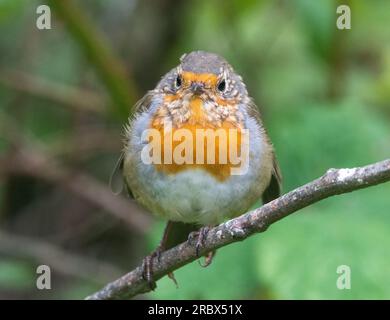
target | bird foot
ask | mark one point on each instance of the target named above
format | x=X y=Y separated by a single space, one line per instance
x=201 y=235
x=147 y=268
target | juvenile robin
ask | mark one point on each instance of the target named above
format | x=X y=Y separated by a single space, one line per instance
x=202 y=93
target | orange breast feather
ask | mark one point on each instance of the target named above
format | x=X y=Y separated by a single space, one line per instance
x=201 y=144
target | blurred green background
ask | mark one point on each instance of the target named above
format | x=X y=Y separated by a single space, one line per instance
x=65 y=94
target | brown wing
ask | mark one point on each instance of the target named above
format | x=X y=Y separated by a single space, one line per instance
x=116 y=177
x=274 y=188
x=117 y=182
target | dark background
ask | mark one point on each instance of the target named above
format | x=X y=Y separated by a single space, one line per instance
x=65 y=94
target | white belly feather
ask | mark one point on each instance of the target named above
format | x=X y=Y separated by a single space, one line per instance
x=194 y=195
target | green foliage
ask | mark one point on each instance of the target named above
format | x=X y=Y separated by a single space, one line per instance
x=318 y=137
x=77 y=290
x=11 y=9
x=16 y=275
x=298 y=258
x=318 y=21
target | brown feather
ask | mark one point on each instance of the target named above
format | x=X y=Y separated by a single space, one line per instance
x=274 y=188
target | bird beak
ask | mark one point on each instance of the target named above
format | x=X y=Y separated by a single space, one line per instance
x=197 y=88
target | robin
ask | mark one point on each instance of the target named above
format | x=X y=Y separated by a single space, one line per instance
x=187 y=180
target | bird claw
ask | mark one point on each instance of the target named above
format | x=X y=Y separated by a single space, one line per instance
x=208 y=259
x=147 y=267
x=172 y=277
x=201 y=236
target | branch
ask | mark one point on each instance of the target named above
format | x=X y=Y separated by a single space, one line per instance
x=28 y=156
x=333 y=182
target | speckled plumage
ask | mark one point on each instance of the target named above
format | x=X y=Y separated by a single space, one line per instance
x=194 y=195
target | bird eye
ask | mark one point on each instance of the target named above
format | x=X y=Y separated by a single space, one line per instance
x=178 y=81
x=222 y=85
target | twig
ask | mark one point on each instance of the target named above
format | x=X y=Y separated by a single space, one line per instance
x=30 y=157
x=78 y=99
x=60 y=260
x=87 y=142
x=333 y=182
